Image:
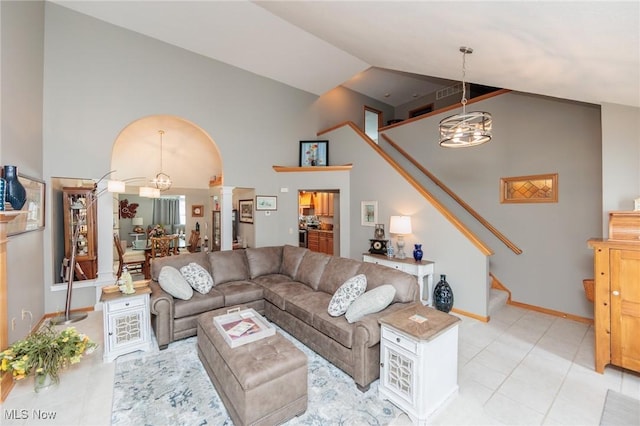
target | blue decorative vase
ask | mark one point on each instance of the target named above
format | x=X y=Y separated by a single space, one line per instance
x=3 y=185
x=15 y=193
x=443 y=295
x=417 y=252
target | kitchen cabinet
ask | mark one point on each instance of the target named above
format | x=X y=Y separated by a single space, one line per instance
x=323 y=204
x=616 y=303
x=320 y=241
x=80 y=211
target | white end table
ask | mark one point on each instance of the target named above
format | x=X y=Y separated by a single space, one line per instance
x=419 y=360
x=127 y=323
x=423 y=270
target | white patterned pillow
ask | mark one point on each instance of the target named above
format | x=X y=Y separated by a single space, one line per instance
x=346 y=294
x=197 y=277
x=370 y=302
x=173 y=282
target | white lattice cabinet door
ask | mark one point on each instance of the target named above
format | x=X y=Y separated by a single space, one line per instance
x=419 y=360
x=127 y=326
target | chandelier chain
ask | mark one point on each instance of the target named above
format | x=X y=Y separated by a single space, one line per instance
x=464 y=83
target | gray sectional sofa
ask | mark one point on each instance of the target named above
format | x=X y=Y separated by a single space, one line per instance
x=292 y=287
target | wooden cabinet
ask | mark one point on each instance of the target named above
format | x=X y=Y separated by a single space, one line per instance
x=617 y=303
x=323 y=204
x=320 y=241
x=80 y=213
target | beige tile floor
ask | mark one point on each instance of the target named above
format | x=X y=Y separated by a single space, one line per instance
x=522 y=368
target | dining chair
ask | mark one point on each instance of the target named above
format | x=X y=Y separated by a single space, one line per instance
x=136 y=265
x=161 y=246
x=194 y=240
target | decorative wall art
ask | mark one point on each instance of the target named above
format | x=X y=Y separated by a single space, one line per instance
x=529 y=189
x=314 y=153
x=127 y=211
x=33 y=219
x=266 y=202
x=369 y=213
x=246 y=211
x=197 y=210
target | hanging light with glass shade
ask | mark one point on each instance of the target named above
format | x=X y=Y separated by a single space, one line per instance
x=469 y=128
x=162 y=181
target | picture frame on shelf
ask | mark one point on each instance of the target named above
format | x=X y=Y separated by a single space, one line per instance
x=33 y=218
x=266 y=202
x=369 y=213
x=314 y=153
x=246 y=211
x=197 y=210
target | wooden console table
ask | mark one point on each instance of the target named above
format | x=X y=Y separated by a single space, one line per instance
x=423 y=270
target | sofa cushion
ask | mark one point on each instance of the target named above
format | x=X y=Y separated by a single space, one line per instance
x=406 y=285
x=230 y=265
x=172 y=281
x=291 y=258
x=197 y=277
x=346 y=294
x=278 y=293
x=370 y=302
x=337 y=271
x=201 y=258
x=305 y=306
x=311 y=268
x=264 y=260
x=236 y=292
x=198 y=304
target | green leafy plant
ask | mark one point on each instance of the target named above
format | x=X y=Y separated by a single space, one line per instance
x=45 y=352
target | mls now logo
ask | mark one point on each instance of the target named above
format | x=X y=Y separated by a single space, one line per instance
x=16 y=414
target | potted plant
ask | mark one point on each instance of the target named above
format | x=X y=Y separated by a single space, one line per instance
x=44 y=353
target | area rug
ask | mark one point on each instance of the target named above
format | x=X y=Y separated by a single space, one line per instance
x=620 y=409
x=172 y=387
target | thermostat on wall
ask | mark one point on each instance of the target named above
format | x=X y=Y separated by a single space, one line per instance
x=636 y=204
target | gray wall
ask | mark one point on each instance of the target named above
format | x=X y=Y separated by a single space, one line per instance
x=21 y=145
x=532 y=135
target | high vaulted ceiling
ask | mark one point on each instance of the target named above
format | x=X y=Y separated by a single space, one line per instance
x=583 y=51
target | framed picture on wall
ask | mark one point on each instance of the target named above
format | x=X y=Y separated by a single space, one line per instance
x=33 y=217
x=266 y=202
x=314 y=153
x=246 y=211
x=369 y=213
x=197 y=210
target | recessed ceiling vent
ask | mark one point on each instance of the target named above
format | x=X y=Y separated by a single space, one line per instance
x=448 y=91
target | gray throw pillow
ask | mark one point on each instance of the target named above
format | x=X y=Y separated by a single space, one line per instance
x=346 y=294
x=370 y=302
x=197 y=277
x=172 y=281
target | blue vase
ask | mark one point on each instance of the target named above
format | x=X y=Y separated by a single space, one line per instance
x=3 y=185
x=417 y=252
x=15 y=193
x=443 y=295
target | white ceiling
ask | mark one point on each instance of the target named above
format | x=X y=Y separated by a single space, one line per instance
x=583 y=51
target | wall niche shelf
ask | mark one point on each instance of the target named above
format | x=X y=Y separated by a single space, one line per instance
x=286 y=169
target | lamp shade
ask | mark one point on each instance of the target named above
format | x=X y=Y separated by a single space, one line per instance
x=400 y=225
x=117 y=186
x=149 y=192
x=137 y=221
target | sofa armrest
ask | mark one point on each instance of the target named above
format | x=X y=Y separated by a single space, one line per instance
x=161 y=307
x=368 y=326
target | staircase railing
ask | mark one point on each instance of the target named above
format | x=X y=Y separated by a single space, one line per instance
x=453 y=195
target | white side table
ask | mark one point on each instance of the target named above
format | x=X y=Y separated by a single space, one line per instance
x=419 y=360
x=127 y=323
x=423 y=270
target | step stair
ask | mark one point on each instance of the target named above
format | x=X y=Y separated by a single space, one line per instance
x=497 y=299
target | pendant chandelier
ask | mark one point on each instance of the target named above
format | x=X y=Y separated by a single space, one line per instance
x=469 y=128
x=162 y=181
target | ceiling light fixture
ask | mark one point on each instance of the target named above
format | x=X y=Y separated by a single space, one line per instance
x=162 y=180
x=469 y=128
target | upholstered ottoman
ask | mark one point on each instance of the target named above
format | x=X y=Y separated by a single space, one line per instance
x=260 y=383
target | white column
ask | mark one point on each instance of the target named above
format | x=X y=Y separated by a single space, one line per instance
x=105 y=240
x=226 y=211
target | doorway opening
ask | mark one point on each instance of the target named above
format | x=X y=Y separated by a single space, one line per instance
x=319 y=220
